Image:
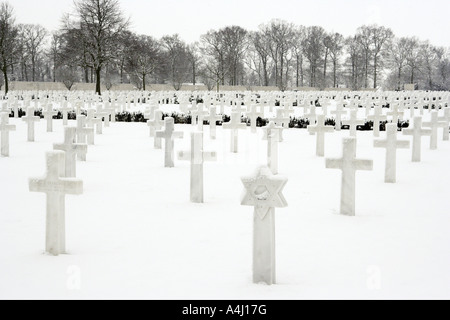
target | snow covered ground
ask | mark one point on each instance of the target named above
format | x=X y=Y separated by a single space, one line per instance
x=134 y=234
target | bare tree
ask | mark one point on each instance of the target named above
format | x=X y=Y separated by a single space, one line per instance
x=261 y=46
x=364 y=38
x=299 y=36
x=429 y=59
x=33 y=36
x=355 y=62
x=143 y=57
x=334 y=43
x=8 y=41
x=99 y=25
x=398 y=55
x=177 y=59
x=312 y=49
x=194 y=59
x=54 y=52
x=381 y=38
x=413 y=58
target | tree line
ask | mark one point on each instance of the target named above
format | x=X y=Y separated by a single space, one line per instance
x=95 y=45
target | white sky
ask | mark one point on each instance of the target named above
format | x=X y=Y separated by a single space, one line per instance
x=428 y=19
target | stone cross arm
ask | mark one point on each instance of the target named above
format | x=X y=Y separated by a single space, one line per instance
x=62 y=185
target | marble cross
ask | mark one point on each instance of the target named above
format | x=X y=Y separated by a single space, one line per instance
x=82 y=133
x=55 y=186
x=319 y=129
x=263 y=191
x=391 y=144
x=5 y=128
x=212 y=118
x=338 y=113
x=353 y=122
x=417 y=132
x=272 y=137
x=156 y=123
x=434 y=124
x=395 y=113
x=91 y=122
x=15 y=107
x=280 y=120
x=65 y=112
x=253 y=115
x=349 y=165
x=197 y=156
x=30 y=119
x=48 y=116
x=377 y=117
x=234 y=125
x=272 y=127
x=168 y=134
x=71 y=149
x=446 y=119
x=312 y=114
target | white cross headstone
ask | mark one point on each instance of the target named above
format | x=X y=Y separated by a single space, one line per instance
x=377 y=117
x=280 y=120
x=30 y=119
x=55 y=186
x=353 y=122
x=446 y=119
x=348 y=164
x=5 y=128
x=82 y=133
x=212 y=119
x=319 y=129
x=197 y=156
x=271 y=127
x=168 y=134
x=263 y=191
x=156 y=124
x=253 y=115
x=391 y=144
x=234 y=125
x=417 y=132
x=65 y=112
x=395 y=113
x=71 y=149
x=272 y=137
x=338 y=113
x=434 y=124
x=48 y=116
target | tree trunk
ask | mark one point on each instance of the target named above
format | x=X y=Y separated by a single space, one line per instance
x=97 y=81
x=375 y=72
x=325 y=69
x=5 y=75
x=193 y=73
x=86 y=74
x=334 y=72
x=33 y=70
x=143 y=81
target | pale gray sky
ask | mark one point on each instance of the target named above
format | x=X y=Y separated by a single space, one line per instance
x=191 y=18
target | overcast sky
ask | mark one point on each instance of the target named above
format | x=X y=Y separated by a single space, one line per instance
x=190 y=18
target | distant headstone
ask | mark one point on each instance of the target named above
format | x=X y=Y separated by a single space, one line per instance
x=71 y=149
x=168 y=134
x=319 y=129
x=391 y=144
x=417 y=132
x=234 y=125
x=348 y=164
x=197 y=156
x=30 y=119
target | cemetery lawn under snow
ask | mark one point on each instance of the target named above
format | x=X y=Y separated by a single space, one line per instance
x=133 y=233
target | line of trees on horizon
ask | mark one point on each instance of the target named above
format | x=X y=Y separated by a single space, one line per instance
x=95 y=45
